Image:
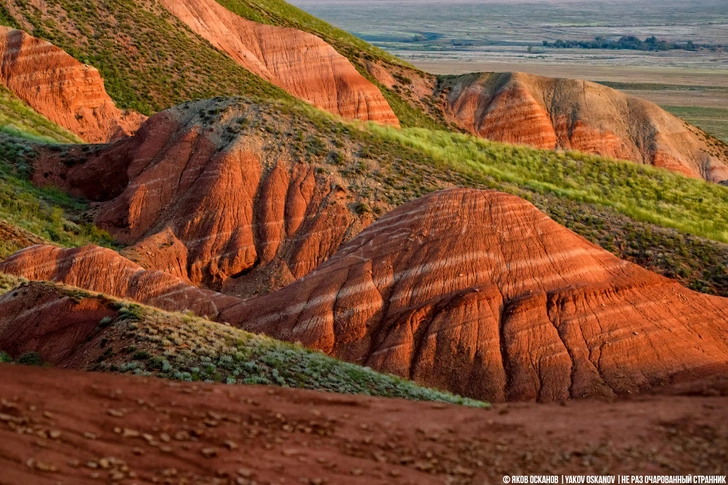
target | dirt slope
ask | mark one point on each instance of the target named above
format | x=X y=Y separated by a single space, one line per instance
x=62 y=89
x=139 y=430
x=580 y=115
x=213 y=204
x=301 y=63
x=481 y=294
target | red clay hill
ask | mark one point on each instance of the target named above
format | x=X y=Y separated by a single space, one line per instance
x=210 y=203
x=62 y=89
x=482 y=294
x=299 y=62
x=471 y=291
x=571 y=114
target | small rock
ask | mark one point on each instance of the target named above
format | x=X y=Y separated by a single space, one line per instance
x=115 y=413
x=246 y=472
x=209 y=452
x=116 y=476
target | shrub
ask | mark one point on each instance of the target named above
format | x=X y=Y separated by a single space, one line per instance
x=31 y=358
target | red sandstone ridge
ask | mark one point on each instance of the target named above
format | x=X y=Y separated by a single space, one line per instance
x=301 y=63
x=481 y=294
x=579 y=115
x=62 y=89
x=209 y=203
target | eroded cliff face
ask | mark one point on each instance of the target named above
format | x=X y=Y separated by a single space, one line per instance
x=299 y=62
x=579 y=115
x=208 y=203
x=62 y=89
x=481 y=294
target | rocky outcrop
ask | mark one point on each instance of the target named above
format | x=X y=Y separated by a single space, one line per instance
x=208 y=203
x=481 y=294
x=62 y=89
x=301 y=63
x=579 y=115
x=105 y=271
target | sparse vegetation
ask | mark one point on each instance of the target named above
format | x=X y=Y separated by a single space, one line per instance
x=7 y=283
x=45 y=212
x=146 y=341
x=30 y=358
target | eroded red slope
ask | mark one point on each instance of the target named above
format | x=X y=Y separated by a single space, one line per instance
x=212 y=204
x=299 y=62
x=475 y=292
x=105 y=271
x=482 y=294
x=579 y=115
x=62 y=89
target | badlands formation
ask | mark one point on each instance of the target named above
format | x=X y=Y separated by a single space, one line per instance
x=571 y=114
x=262 y=217
x=471 y=291
x=298 y=62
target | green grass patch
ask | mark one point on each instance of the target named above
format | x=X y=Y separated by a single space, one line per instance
x=20 y=120
x=641 y=192
x=45 y=212
x=713 y=121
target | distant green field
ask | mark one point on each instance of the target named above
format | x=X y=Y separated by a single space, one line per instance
x=711 y=120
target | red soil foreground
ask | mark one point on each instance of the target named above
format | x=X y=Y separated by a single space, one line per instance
x=82 y=428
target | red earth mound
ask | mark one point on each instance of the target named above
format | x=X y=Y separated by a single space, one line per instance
x=301 y=63
x=79 y=428
x=475 y=292
x=482 y=294
x=209 y=206
x=579 y=115
x=62 y=89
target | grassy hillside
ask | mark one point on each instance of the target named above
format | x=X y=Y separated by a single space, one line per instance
x=18 y=119
x=115 y=37
x=146 y=341
x=148 y=59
